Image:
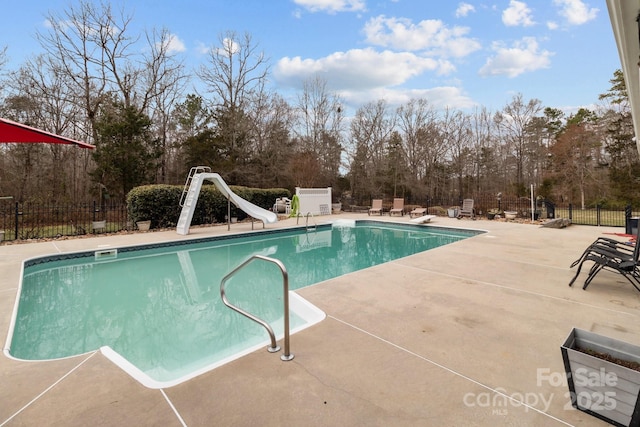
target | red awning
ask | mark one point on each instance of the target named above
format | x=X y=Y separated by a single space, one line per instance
x=16 y=132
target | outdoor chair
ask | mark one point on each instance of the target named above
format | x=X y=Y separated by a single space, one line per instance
x=467 y=209
x=376 y=207
x=417 y=212
x=604 y=243
x=398 y=207
x=282 y=205
x=610 y=254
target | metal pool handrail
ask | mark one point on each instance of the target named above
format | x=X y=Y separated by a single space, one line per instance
x=306 y=224
x=285 y=283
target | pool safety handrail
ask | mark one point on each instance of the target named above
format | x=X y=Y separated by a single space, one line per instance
x=315 y=225
x=306 y=224
x=285 y=283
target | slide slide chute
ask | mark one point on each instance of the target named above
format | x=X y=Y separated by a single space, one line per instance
x=191 y=199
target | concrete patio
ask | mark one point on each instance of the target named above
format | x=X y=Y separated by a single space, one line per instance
x=465 y=334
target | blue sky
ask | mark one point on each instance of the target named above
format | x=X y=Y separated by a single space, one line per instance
x=456 y=54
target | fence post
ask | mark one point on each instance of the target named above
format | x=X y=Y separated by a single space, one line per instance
x=627 y=219
x=570 y=212
x=15 y=236
x=598 y=215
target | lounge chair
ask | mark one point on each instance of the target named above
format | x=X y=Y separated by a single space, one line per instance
x=376 y=207
x=603 y=243
x=398 y=207
x=467 y=209
x=616 y=261
x=609 y=254
x=417 y=212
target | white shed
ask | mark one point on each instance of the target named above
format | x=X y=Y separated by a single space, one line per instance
x=316 y=201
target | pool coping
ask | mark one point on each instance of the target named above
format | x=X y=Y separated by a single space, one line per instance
x=298 y=305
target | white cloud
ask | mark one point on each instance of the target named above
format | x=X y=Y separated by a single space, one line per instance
x=518 y=13
x=524 y=56
x=362 y=69
x=332 y=6
x=175 y=44
x=439 y=97
x=576 y=12
x=552 y=25
x=464 y=9
x=202 y=48
x=430 y=35
x=228 y=45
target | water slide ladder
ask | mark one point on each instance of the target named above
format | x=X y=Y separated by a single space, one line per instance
x=285 y=284
x=191 y=191
x=189 y=198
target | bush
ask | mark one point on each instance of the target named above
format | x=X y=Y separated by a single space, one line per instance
x=437 y=210
x=158 y=203
x=161 y=203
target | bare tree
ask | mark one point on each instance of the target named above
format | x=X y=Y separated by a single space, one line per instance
x=39 y=96
x=320 y=127
x=165 y=82
x=485 y=165
x=235 y=70
x=513 y=121
x=3 y=57
x=371 y=130
x=235 y=73
x=457 y=136
x=94 y=47
x=422 y=144
x=272 y=119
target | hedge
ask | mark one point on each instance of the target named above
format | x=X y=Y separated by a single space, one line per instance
x=161 y=203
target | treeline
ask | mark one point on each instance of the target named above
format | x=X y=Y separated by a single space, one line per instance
x=94 y=82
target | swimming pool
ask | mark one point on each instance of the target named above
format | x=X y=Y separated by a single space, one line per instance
x=156 y=310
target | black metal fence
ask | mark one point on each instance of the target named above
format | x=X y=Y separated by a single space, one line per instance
x=542 y=209
x=545 y=209
x=25 y=221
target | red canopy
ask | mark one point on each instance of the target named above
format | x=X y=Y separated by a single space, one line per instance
x=16 y=132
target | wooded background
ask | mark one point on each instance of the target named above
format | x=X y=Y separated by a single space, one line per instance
x=92 y=82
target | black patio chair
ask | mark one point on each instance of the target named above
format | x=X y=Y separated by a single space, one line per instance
x=613 y=255
x=604 y=243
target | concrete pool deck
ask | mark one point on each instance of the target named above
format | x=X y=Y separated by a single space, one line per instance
x=465 y=334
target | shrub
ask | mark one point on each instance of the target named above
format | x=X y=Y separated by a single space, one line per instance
x=161 y=203
x=158 y=203
x=437 y=210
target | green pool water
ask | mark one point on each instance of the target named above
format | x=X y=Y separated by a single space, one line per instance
x=160 y=308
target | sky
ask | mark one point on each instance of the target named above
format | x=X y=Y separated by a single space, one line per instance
x=462 y=55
